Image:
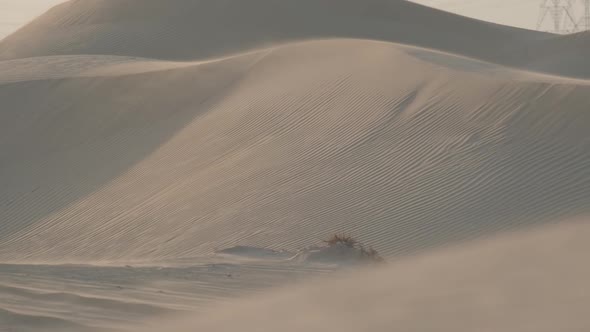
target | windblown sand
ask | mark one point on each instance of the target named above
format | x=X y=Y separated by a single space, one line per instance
x=139 y=137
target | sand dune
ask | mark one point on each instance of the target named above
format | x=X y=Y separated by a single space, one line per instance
x=268 y=148
x=153 y=133
x=186 y=30
x=566 y=55
x=183 y=31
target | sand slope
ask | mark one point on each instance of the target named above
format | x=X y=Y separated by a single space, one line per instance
x=405 y=147
x=82 y=298
x=140 y=137
x=567 y=55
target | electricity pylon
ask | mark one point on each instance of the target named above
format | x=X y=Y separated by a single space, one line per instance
x=566 y=16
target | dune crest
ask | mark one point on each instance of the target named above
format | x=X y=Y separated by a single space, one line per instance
x=192 y=30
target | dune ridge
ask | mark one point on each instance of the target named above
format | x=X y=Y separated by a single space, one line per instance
x=182 y=30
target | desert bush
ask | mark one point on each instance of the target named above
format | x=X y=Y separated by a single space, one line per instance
x=372 y=254
x=343 y=239
x=349 y=241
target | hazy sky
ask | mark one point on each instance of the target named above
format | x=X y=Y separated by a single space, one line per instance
x=15 y=13
x=522 y=13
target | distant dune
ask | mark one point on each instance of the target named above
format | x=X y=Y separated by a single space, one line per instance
x=189 y=30
x=156 y=131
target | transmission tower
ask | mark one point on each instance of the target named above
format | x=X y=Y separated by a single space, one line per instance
x=585 y=21
x=564 y=16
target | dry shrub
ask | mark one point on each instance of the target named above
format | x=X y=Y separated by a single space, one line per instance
x=343 y=239
x=349 y=241
x=372 y=254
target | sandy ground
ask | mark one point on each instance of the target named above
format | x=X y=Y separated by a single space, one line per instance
x=526 y=281
x=137 y=138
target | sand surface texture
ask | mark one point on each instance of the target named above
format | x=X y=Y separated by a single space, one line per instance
x=137 y=138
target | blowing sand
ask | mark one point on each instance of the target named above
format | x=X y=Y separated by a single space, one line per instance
x=138 y=138
x=533 y=281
